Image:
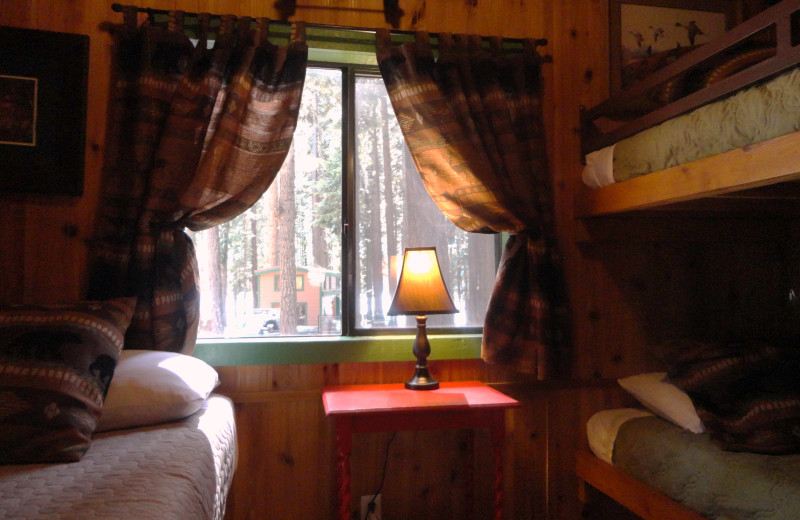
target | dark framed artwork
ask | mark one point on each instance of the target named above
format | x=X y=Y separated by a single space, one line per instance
x=645 y=35
x=43 y=88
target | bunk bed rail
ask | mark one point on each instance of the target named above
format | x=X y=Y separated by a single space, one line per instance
x=783 y=17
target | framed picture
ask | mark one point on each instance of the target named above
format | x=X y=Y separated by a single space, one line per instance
x=43 y=86
x=645 y=35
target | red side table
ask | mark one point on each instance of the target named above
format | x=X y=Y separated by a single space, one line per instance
x=383 y=408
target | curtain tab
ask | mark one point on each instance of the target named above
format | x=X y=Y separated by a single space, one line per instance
x=226 y=24
x=298 y=32
x=423 y=40
x=175 y=21
x=130 y=16
x=473 y=43
x=243 y=30
x=263 y=31
x=496 y=46
x=445 y=42
x=461 y=43
x=383 y=39
x=204 y=20
x=529 y=45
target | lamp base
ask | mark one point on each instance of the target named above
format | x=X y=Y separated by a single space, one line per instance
x=422 y=380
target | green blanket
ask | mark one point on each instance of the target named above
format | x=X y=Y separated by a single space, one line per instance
x=720 y=485
x=750 y=116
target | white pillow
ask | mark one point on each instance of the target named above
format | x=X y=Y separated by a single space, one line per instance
x=657 y=393
x=603 y=426
x=151 y=387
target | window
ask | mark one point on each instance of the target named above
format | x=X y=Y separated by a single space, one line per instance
x=346 y=203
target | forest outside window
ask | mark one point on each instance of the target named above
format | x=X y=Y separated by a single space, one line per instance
x=335 y=221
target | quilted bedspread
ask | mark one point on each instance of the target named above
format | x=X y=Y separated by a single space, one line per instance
x=179 y=470
x=720 y=485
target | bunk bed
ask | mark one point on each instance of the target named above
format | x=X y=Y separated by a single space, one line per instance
x=750 y=168
x=733 y=178
x=659 y=470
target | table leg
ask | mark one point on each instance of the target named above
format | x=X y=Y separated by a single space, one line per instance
x=470 y=478
x=344 y=446
x=498 y=434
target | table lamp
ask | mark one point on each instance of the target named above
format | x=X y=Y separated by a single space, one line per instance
x=421 y=291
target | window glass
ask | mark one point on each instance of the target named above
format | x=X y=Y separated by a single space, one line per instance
x=394 y=211
x=295 y=230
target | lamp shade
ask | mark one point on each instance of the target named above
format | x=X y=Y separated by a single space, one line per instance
x=421 y=289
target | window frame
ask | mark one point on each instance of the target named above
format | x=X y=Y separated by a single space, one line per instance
x=350 y=72
x=353 y=344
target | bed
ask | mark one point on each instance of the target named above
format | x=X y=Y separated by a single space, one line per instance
x=659 y=470
x=661 y=461
x=89 y=430
x=755 y=59
x=176 y=470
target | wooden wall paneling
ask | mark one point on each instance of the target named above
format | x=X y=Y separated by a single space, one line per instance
x=51 y=252
x=608 y=326
x=426 y=473
x=564 y=436
x=568 y=411
x=17 y=14
x=56 y=228
x=12 y=260
x=578 y=46
x=526 y=473
x=285 y=466
x=792 y=277
x=645 y=293
x=373 y=373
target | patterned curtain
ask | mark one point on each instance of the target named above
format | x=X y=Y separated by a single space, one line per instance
x=195 y=137
x=472 y=121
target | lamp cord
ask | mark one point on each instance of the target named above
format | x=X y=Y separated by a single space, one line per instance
x=371 y=504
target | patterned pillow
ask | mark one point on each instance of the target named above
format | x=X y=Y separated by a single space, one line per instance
x=724 y=370
x=746 y=394
x=55 y=366
x=764 y=423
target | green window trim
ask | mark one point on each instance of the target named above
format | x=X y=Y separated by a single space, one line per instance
x=300 y=350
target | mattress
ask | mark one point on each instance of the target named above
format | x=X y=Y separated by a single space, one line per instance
x=753 y=115
x=691 y=469
x=178 y=470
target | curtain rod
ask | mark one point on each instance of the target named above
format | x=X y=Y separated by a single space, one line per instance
x=117 y=7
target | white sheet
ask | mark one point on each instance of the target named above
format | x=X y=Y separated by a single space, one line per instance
x=175 y=471
x=602 y=429
x=599 y=169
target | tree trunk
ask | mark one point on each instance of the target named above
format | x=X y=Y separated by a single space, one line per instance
x=388 y=195
x=376 y=253
x=319 y=246
x=217 y=243
x=287 y=213
x=254 y=257
x=216 y=288
x=271 y=234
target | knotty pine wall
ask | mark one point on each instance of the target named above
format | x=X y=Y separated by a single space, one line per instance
x=632 y=281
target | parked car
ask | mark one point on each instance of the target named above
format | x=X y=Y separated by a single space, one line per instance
x=271 y=323
x=271 y=326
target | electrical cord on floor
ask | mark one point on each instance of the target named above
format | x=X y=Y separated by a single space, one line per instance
x=371 y=504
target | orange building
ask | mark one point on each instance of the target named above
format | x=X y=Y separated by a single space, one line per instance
x=319 y=297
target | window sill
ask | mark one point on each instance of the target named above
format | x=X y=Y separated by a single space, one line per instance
x=301 y=350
